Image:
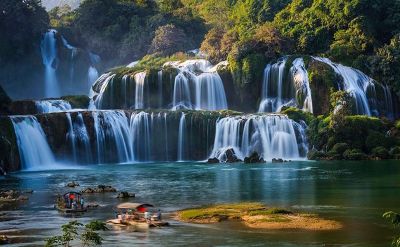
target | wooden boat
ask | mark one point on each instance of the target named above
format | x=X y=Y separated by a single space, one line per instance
x=70 y=202
x=132 y=214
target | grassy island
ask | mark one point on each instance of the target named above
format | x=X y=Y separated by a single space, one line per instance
x=256 y=215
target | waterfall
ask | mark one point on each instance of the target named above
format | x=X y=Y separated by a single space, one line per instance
x=302 y=84
x=354 y=82
x=74 y=51
x=181 y=98
x=140 y=79
x=272 y=98
x=100 y=137
x=181 y=138
x=200 y=77
x=140 y=125
x=117 y=130
x=34 y=150
x=160 y=88
x=93 y=74
x=48 y=106
x=388 y=102
x=103 y=82
x=79 y=138
x=49 y=57
x=271 y=136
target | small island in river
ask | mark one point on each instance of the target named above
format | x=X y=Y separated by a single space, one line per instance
x=257 y=215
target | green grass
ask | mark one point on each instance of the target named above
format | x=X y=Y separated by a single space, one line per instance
x=235 y=210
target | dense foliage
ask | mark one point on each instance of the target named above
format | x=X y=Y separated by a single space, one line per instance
x=22 y=23
x=360 y=33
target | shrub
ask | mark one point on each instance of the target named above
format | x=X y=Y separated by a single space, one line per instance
x=375 y=139
x=168 y=40
x=297 y=114
x=316 y=155
x=340 y=148
x=380 y=152
x=354 y=154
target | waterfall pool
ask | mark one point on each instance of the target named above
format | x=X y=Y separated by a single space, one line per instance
x=354 y=193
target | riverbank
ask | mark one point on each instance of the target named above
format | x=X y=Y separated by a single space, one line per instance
x=257 y=215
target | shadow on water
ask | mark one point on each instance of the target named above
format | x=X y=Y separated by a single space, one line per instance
x=354 y=193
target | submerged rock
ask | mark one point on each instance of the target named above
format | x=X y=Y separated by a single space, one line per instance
x=125 y=194
x=213 y=160
x=72 y=184
x=100 y=189
x=254 y=158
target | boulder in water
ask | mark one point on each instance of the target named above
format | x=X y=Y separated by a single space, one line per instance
x=231 y=156
x=12 y=196
x=213 y=161
x=100 y=189
x=254 y=158
x=92 y=205
x=125 y=194
x=72 y=184
x=277 y=160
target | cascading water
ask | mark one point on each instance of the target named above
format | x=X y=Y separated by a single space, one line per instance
x=354 y=82
x=48 y=106
x=79 y=139
x=34 y=150
x=201 y=77
x=93 y=73
x=302 y=84
x=97 y=99
x=271 y=136
x=49 y=58
x=181 y=138
x=74 y=51
x=272 y=98
x=140 y=79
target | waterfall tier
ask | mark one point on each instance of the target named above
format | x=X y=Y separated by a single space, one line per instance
x=271 y=136
x=287 y=84
x=94 y=137
x=193 y=84
x=34 y=150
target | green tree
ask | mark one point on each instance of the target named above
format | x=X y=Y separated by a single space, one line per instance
x=72 y=230
x=22 y=23
x=168 y=40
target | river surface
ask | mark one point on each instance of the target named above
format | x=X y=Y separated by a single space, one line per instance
x=354 y=193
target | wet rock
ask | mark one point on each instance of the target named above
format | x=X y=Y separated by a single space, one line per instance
x=279 y=160
x=100 y=189
x=12 y=196
x=92 y=205
x=125 y=194
x=231 y=156
x=254 y=158
x=213 y=161
x=4 y=240
x=72 y=184
x=27 y=192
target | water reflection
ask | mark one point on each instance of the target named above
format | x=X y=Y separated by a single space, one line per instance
x=356 y=193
